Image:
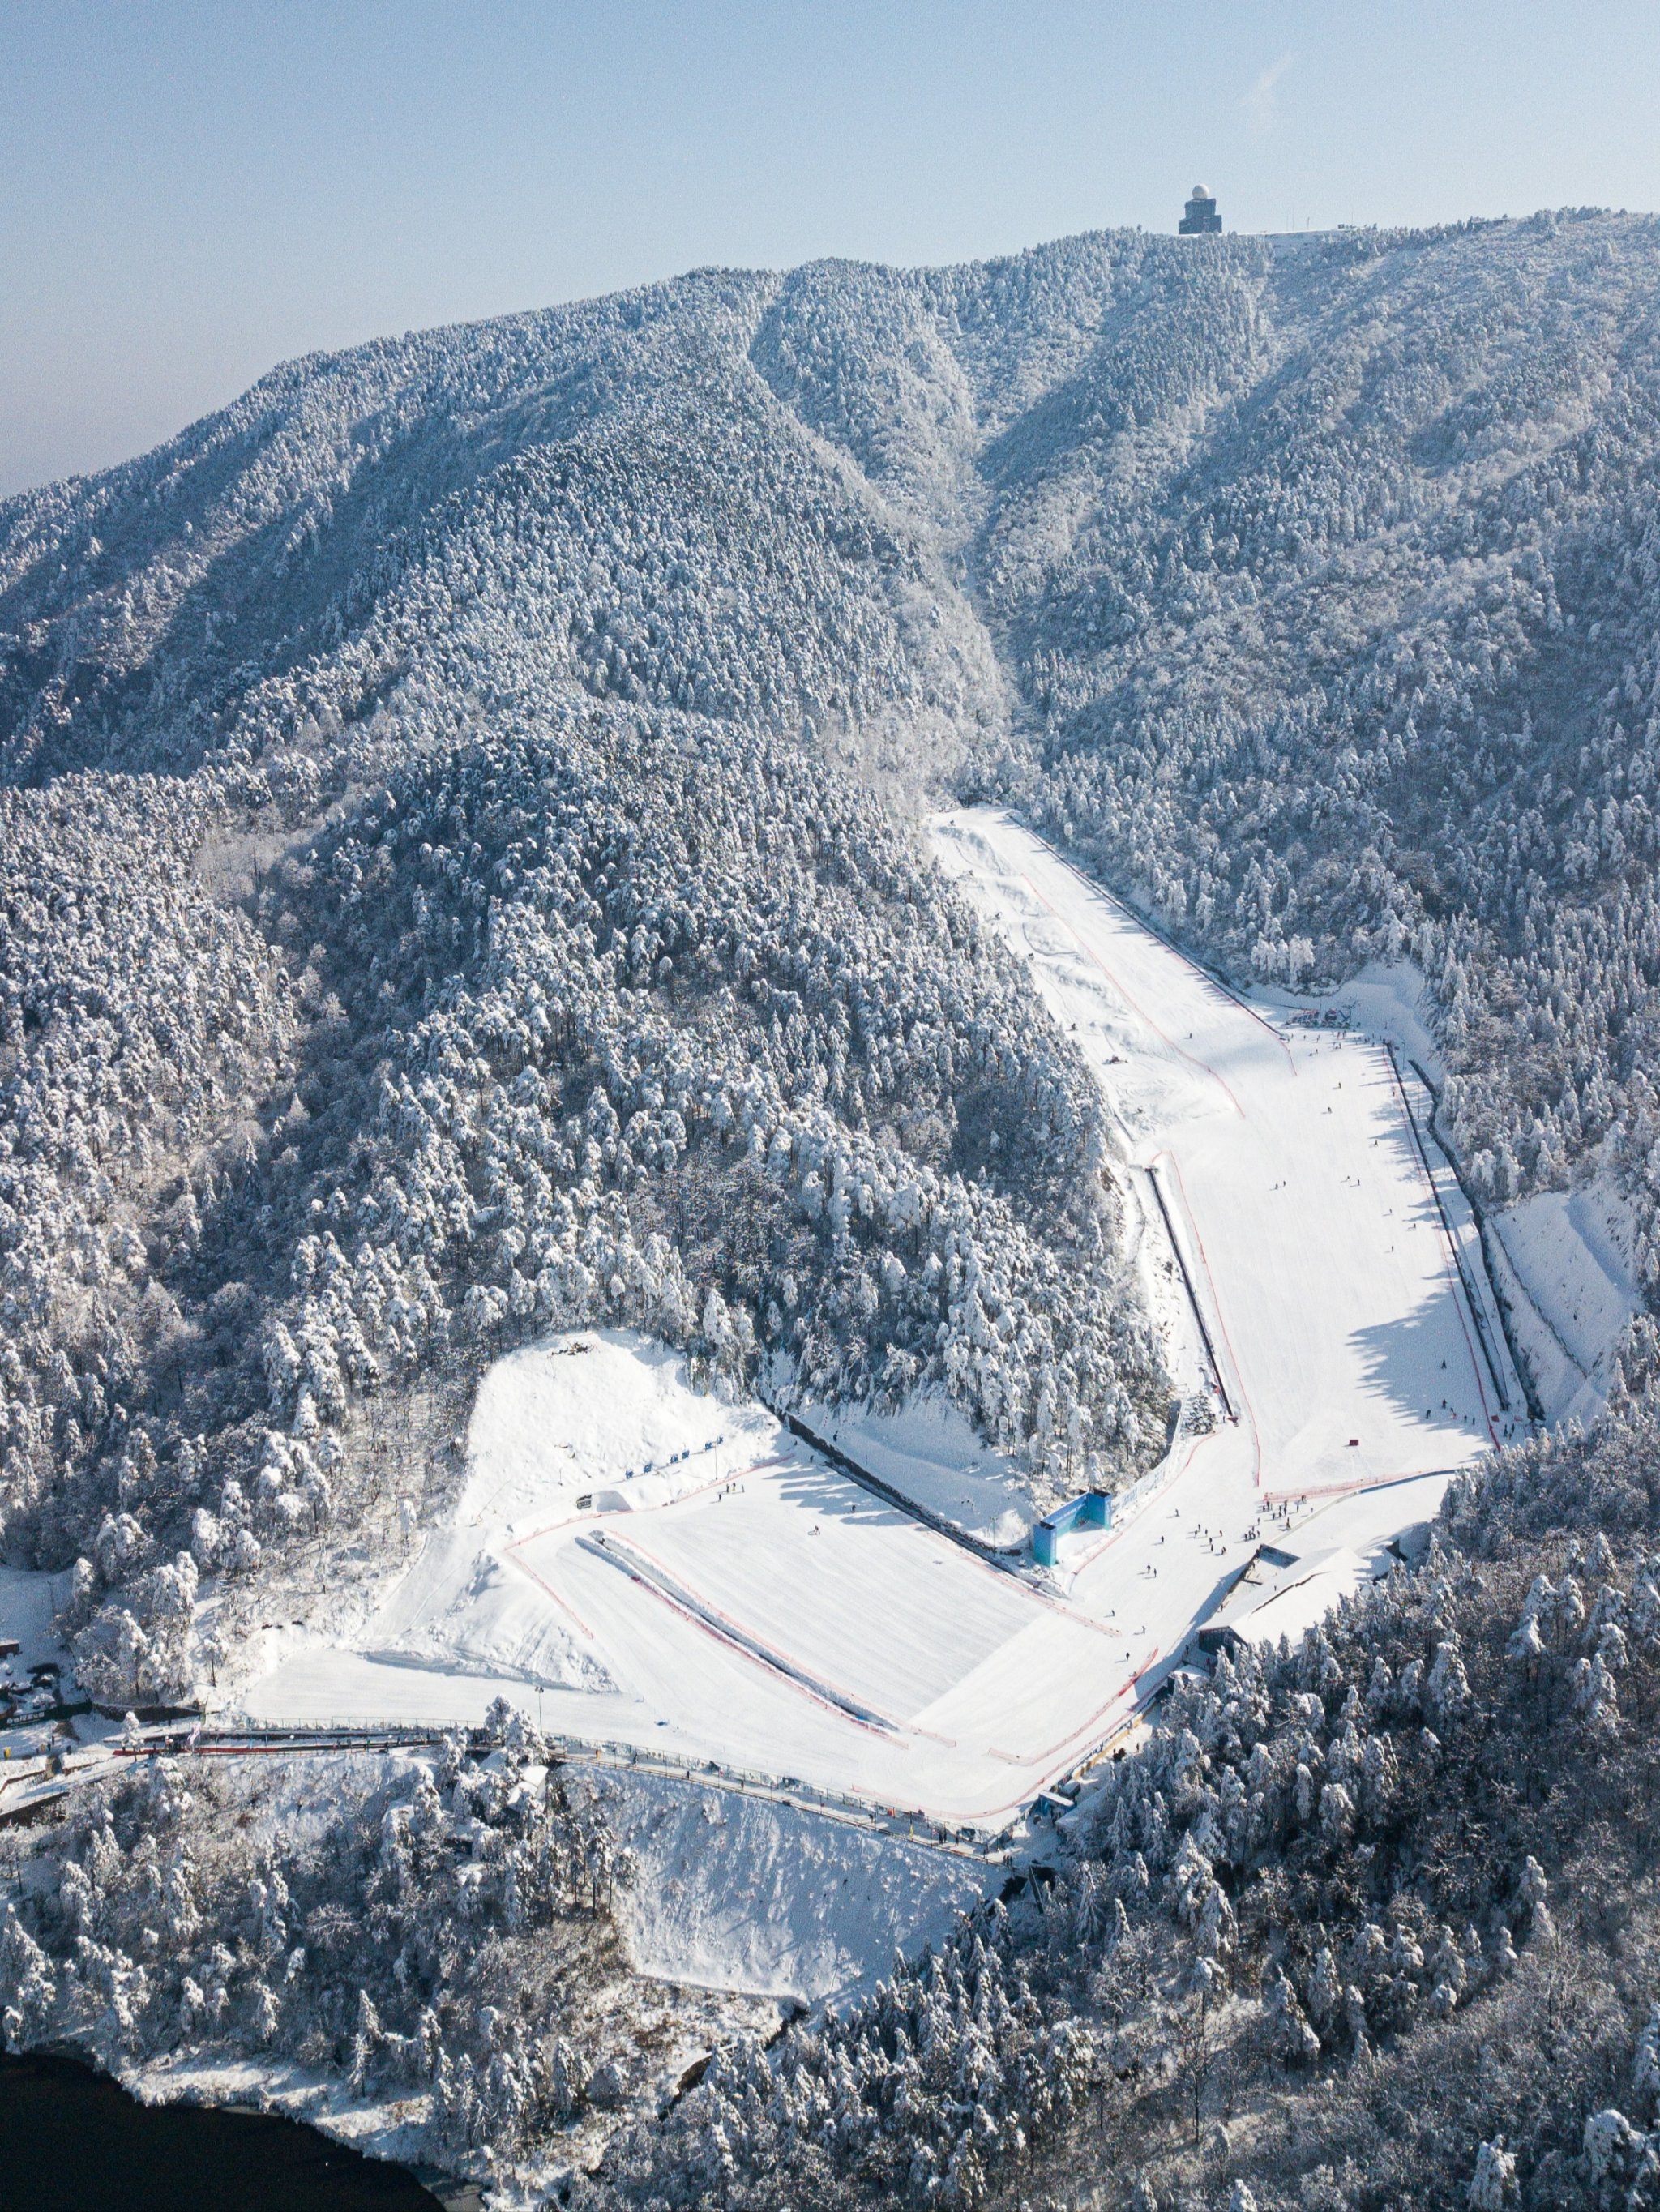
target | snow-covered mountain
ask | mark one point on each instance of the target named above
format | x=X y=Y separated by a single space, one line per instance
x=458 y=883
x=441 y=870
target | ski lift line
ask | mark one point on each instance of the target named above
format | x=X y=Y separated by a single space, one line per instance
x=1452 y=1266
x=994 y=1555
x=631 y=1548
x=1240 y=1411
x=1209 y=975
x=1009 y=1562
x=1192 y=1288
x=671 y=1581
x=1130 y=1001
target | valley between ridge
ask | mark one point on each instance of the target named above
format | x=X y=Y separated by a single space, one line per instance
x=710 y=1588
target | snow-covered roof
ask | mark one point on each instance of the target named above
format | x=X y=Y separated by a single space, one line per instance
x=1266 y=1604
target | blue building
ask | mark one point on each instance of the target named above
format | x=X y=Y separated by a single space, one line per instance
x=1201 y=218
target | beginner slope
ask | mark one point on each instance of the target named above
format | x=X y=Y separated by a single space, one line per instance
x=636 y=1562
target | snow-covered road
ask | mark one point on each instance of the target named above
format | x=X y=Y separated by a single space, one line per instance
x=644 y=1564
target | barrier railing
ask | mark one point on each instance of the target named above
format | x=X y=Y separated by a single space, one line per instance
x=364 y=1732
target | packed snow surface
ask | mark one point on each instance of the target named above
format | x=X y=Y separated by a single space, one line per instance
x=1562 y=1259
x=604 y=1410
x=606 y=1417
x=650 y=1566
x=1344 y=1343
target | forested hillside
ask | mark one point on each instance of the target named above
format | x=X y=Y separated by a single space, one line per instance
x=1326 y=573
x=456 y=882
x=1303 y=1951
x=439 y=908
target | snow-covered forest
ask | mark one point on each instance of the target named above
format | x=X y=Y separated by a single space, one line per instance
x=457 y=881
x=1302 y=1950
x=427 y=1915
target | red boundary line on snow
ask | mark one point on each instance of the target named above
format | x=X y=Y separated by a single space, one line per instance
x=771 y=1665
x=1088 y=1727
x=1361 y=1485
x=779 y=1659
x=564 y=1605
x=776 y=1664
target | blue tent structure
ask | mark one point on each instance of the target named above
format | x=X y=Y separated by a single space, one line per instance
x=1092 y=1510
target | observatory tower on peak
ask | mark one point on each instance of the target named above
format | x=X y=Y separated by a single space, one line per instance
x=1199 y=217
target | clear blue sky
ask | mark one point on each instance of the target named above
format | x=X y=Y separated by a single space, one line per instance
x=192 y=192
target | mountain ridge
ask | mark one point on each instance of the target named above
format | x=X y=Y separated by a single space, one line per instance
x=458 y=885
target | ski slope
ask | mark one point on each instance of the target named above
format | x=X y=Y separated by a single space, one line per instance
x=641 y=1563
x=1343 y=1344
x=635 y=1561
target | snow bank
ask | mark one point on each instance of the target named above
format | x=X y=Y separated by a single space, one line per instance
x=930 y=1455
x=601 y=1409
x=1566 y=1253
x=741 y=1893
x=601 y=1421
x=465 y=1607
